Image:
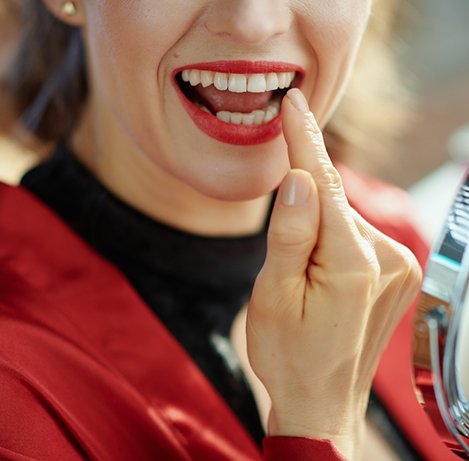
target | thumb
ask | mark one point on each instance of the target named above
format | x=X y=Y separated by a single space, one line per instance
x=293 y=228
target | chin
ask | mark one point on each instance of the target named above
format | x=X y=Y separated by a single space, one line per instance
x=240 y=187
x=221 y=171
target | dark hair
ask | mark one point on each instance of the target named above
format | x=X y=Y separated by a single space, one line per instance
x=47 y=79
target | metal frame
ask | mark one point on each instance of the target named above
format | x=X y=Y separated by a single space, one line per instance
x=437 y=323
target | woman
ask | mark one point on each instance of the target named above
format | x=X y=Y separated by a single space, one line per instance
x=185 y=130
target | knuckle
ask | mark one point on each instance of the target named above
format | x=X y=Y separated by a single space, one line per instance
x=312 y=128
x=404 y=269
x=328 y=177
x=325 y=173
x=409 y=275
x=405 y=263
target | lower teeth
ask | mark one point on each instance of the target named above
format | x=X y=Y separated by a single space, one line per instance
x=256 y=117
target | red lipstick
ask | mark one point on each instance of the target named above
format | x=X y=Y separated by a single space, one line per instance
x=229 y=132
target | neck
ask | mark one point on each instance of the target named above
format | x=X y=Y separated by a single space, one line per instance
x=124 y=170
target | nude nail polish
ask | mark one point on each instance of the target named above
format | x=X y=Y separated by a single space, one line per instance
x=298 y=100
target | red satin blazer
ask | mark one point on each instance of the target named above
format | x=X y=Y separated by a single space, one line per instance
x=88 y=372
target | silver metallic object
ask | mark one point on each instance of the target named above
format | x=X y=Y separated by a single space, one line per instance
x=441 y=329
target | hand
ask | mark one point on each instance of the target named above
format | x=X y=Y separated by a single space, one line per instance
x=330 y=293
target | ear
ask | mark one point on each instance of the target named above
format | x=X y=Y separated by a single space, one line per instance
x=70 y=12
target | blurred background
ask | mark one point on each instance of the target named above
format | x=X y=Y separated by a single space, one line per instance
x=432 y=48
x=434 y=58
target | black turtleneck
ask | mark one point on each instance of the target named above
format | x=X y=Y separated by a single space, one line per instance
x=195 y=285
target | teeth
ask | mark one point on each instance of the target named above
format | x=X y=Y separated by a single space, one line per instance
x=206 y=78
x=186 y=75
x=272 y=81
x=202 y=107
x=220 y=81
x=239 y=83
x=269 y=115
x=257 y=83
x=224 y=116
x=236 y=118
x=194 y=77
x=283 y=80
x=248 y=119
x=256 y=117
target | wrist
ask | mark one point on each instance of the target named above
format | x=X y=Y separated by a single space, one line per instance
x=343 y=427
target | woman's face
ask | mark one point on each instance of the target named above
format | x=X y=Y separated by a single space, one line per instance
x=137 y=50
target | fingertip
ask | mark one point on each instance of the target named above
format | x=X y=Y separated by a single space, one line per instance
x=296 y=103
x=298 y=100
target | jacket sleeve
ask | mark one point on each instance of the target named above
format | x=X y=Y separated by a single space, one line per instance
x=280 y=448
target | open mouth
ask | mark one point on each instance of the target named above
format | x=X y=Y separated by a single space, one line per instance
x=236 y=101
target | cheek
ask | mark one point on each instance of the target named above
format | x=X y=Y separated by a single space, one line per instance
x=337 y=25
x=127 y=41
x=333 y=30
x=130 y=30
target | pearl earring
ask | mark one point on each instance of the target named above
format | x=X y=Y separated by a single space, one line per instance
x=69 y=8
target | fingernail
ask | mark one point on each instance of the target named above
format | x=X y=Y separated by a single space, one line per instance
x=298 y=100
x=295 y=189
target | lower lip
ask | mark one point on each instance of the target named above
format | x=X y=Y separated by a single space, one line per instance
x=229 y=133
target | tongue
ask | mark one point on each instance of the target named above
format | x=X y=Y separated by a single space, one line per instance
x=217 y=100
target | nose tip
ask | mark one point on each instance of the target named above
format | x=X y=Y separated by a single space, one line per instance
x=248 y=21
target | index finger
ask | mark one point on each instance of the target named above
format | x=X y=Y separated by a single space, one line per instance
x=307 y=151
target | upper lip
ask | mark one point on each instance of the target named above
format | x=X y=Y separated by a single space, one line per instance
x=243 y=67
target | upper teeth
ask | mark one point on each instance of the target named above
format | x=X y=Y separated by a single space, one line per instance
x=239 y=83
